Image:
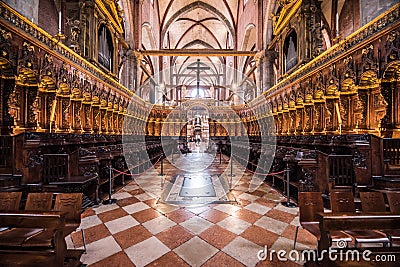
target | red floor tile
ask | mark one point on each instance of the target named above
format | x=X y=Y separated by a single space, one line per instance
x=247 y=215
x=174 y=236
x=91 y=234
x=260 y=236
x=303 y=236
x=112 y=215
x=118 y=259
x=280 y=215
x=169 y=260
x=222 y=259
x=266 y=202
x=145 y=215
x=214 y=216
x=180 y=215
x=217 y=236
x=132 y=236
x=127 y=201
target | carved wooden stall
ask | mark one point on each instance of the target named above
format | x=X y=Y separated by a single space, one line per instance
x=63 y=108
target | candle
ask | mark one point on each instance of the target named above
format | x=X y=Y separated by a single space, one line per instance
x=59 y=22
x=337 y=24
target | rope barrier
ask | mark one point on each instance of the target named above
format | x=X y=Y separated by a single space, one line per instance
x=257 y=173
x=135 y=174
x=266 y=174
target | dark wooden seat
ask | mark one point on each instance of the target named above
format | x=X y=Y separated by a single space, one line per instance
x=71 y=203
x=342 y=201
x=34 y=238
x=310 y=203
x=394 y=205
x=39 y=201
x=10 y=200
x=356 y=221
x=394 y=201
x=372 y=202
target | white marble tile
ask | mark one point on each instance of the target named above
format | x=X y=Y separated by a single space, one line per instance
x=166 y=208
x=227 y=208
x=121 y=195
x=287 y=245
x=286 y=209
x=121 y=224
x=257 y=208
x=90 y=221
x=234 y=224
x=136 y=207
x=271 y=225
x=197 y=209
x=143 y=197
x=158 y=224
x=243 y=250
x=295 y=221
x=196 y=225
x=195 y=251
x=104 y=208
x=131 y=187
x=248 y=197
x=99 y=250
x=146 y=251
x=70 y=243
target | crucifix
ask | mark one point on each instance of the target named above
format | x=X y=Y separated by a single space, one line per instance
x=198 y=69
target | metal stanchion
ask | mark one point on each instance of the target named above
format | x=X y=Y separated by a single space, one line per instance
x=162 y=167
x=287 y=203
x=110 y=200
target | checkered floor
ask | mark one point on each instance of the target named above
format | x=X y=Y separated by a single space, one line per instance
x=138 y=231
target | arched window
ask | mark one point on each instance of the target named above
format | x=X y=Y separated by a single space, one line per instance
x=105 y=47
x=290 y=51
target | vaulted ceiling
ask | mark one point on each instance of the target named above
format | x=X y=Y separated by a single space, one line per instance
x=198 y=24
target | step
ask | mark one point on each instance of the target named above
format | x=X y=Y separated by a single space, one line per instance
x=10 y=182
x=387 y=182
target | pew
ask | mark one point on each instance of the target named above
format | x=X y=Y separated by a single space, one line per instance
x=354 y=221
x=36 y=236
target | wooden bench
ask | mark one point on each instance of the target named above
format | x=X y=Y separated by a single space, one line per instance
x=33 y=238
x=36 y=236
x=356 y=221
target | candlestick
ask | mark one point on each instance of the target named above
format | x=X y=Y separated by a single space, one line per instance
x=59 y=22
x=337 y=24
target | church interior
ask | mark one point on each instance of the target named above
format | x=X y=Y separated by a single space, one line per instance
x=199 y=133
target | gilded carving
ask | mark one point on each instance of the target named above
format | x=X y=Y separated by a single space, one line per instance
x=393 y=46
x=368 y=60
x=14 y=106
x=65 y=124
